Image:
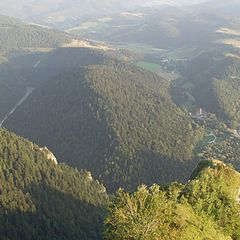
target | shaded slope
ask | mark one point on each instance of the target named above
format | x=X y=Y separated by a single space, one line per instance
x=32 y=70
x=29 y=56
x=42 y=200
x=213 y=78
x=116 y=120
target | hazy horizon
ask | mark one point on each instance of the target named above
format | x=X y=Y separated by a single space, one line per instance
x=30 y=9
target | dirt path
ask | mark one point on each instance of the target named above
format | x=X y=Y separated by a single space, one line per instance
x=28 y=92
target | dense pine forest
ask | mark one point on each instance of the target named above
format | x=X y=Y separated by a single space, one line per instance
x=17 y=35
x=134 y=138
x=213 y=81
x=33 y=70
x=40 y=199
x=110 y=120
x=29 y=56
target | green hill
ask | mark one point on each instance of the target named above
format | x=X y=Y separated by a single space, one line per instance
x=165 y=27
x=222 y=85
x=17 y=41
x=40 y=199
x=115 y=120
x=162 y=27
x=214 y=85
x=207 y=207
x=33 y=70
x=17 y=35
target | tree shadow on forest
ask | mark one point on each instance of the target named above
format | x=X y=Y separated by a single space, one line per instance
x=58 y=216
x=164 y=170
x=33 y=69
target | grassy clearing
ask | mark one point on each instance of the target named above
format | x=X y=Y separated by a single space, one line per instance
x=182 y=53
x=85 y=44
x=139 y=48
x=88 y=27
x=229 y=31
x=231 y=42
x=3 y=59
x=97 y=25
x=43 y=50
x=231 y=55
x=153 y=67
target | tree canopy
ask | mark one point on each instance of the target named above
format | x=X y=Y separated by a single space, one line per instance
x=40 y=199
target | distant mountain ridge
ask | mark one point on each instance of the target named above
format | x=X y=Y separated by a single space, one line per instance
x=52 y=13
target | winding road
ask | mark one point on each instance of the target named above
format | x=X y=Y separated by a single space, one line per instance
x=29 y=90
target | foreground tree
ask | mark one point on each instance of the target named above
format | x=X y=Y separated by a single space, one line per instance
x=144 y=215
x=206 y=208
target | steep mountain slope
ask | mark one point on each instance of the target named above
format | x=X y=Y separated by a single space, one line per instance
x=207 y=207
x=31 y=55
x=116 y=120
x=215 y=189
x=43 y=200
x=32 y=70
x=214 y=84
x=17 y=35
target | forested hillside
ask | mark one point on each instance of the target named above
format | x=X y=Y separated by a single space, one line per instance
x=17 y=35
x=32 y=70
x=207 y=207
x=116 y=120
x=140 y=109
x=213 y=81
x=40 y=199
x=19 y=71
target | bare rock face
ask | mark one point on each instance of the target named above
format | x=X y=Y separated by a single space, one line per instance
x=49 y=154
